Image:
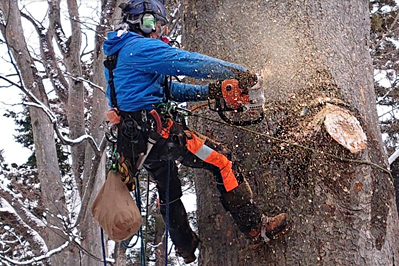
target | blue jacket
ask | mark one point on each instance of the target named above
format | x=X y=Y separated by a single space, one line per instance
x=143 y=63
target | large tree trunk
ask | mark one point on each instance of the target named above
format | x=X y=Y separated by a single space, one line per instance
x=315 y=62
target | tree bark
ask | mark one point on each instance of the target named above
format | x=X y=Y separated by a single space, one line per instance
x=43 y=133
x=98 y=103
x=312 y=54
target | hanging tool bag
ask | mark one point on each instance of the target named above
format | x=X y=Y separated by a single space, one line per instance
x=115 y=210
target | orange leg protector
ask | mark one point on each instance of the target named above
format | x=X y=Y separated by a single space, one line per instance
x=196 y=145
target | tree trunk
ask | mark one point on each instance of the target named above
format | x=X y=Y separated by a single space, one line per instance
x=43 y=133
x=93 y=183
x=76 y=95
x=315 y=63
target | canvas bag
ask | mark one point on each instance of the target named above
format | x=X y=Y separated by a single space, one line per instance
x=115 y=209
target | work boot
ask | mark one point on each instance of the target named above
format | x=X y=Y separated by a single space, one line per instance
x=269 y=228
x=187 y=253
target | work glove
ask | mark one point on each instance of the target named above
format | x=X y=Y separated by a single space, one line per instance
x=113 y=116
x=246 y=79
x=215 y=89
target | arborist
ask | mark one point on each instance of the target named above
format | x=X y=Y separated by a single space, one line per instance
x=151 y=135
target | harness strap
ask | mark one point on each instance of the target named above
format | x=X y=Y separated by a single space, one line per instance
x=110 y=64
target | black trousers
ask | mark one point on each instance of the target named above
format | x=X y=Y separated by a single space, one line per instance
x=161 y=164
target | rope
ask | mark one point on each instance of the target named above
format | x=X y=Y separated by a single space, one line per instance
x=103 y=247
x=146 y=213
x=139 y=234
x=167 y=213
x=292 y=143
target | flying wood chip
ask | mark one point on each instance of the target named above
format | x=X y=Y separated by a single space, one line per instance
x=345 y=128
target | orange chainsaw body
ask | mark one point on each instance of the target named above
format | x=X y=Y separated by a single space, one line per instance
x=233 y=95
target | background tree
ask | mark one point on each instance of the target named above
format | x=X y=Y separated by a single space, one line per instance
x=384 y=52
x=77 y=89
x=315 y=60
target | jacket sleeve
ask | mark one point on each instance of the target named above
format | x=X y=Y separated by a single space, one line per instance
x=182 y=92
x=155 y=56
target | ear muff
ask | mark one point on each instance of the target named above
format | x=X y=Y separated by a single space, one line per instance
x=148 y=23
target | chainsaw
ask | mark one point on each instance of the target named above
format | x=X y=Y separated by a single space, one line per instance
x=234 y=103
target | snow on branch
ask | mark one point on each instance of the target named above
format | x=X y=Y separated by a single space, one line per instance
x=80 y=79
x=39 y=258
x=6 y=207
x=8 y=195
x=53 y=119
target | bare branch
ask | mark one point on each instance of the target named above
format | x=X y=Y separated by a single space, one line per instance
x=393 y=157
x=55 y=24
x=80 y=79
x=388 y=33
x=39 y=258
x=28 y=217
x=49 y=59
x=19 y=224
x=37 y=103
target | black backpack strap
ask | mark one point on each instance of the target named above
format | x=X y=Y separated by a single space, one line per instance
x=110 y=64
x=166 y=88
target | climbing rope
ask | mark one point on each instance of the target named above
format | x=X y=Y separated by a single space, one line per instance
x=167 y=211
x=139 y=234
x=103 y=247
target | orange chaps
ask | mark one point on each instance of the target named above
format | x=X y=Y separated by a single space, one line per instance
x=196 y=145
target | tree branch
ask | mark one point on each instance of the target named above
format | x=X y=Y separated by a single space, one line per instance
x=55 y=24
x=49 y=59
x=28 y=217
x=80 y=79
x=53 y=119
x=31 y=235
x=39 y=258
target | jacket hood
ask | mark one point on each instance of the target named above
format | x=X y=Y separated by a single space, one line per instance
x=117 y=39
